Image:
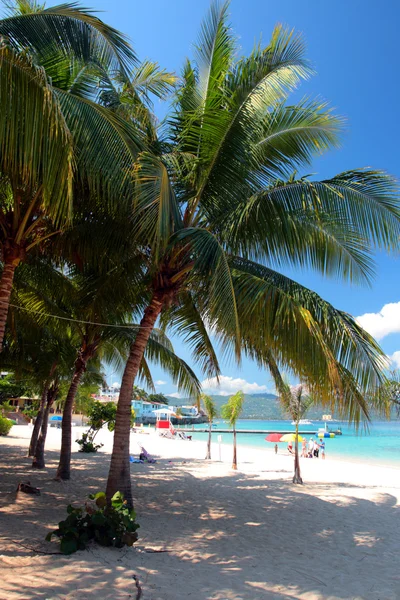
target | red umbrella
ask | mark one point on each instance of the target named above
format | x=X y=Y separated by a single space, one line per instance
x=274 y=437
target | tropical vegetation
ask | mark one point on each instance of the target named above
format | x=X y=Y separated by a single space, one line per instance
x=211 y=412
x=117 y=230
x=231 y=412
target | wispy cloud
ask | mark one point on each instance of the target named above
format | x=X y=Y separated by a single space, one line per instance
x=395 y=359
x=229 y=385
x=174 y=395
x=382 y=323
x=160 y=382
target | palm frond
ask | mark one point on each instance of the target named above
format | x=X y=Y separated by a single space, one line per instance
x=35 y=141
x=209 y=259
x=185 y=320
x=302 y=331
x=75 y=30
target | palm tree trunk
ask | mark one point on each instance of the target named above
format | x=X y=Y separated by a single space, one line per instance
x=38 y=422
x=64 y=466
x=119 y=477
x=297 y=477
x=6 y=283
x=234 y=462
x=208 y=457
x=38 y=459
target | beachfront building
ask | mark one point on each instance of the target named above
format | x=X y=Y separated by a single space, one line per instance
x=186 y=411
x=143 y=408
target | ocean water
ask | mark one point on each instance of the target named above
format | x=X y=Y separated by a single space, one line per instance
x=380 y=444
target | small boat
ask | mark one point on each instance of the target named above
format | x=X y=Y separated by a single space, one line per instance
x=326 y=429
x=303 y=422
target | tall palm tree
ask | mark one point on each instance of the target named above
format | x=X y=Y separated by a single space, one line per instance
x=296 y=402
x=55 y=141
x=211 y=412
x=231 y=412
x=86 y=312
x=219 y=191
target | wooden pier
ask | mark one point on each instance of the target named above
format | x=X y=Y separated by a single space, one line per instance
x=252 y=431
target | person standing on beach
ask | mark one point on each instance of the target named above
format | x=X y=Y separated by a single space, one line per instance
x=316 y=449
x=304 y=448
x=322 y=448
x=276 y=448
x=310 y=448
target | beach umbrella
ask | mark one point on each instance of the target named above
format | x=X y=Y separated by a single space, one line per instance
x=273 y=437
x=290 y=437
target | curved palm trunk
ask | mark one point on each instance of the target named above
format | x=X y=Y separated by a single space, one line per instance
x=64 y=466
x=38 y=459
x=38 y=422
x=297 y=477
x=208 y=457
x=6 y=283
x=119 y=477
x=234 y=462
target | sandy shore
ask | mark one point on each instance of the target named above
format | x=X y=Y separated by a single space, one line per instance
x=242 y=535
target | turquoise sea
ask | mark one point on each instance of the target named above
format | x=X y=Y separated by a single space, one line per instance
x=380 y=444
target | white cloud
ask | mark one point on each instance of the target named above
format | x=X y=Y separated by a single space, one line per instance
x=160 y=382
x=395 y=359
x=229 y=385
x=380 y=324
x=175 y=395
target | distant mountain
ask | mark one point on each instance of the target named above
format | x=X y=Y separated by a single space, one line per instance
x=256 y=406
x=265 y=407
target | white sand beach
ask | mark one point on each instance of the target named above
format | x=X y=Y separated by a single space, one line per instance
x=225 y=535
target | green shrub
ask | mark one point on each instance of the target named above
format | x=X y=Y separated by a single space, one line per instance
x=113 y=525
x=87 y=444
x=5 y=425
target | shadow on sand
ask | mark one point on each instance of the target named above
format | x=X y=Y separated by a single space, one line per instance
x=235 y=537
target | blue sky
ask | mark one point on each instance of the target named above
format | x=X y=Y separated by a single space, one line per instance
x=354 y=49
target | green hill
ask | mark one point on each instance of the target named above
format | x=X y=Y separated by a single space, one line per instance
x=265 y=407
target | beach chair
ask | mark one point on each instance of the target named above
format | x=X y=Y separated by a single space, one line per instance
x=182 y=436
x=167 y=433
x=144 y=455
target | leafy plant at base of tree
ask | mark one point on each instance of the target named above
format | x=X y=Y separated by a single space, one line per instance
x=5 y=425
x=87 y=442
x=108 y=525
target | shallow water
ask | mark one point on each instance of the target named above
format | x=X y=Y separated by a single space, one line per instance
x=380 y=444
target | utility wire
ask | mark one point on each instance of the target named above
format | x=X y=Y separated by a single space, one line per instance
x=42 y=314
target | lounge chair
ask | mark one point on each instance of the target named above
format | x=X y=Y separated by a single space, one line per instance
x=167 y=433
x=182 y=436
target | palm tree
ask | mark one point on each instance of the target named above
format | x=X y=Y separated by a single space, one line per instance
x=86 y=312
x=55 y=142
x=296 y=402
x=219 y=190
x=231 y=412
x=211 y=412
